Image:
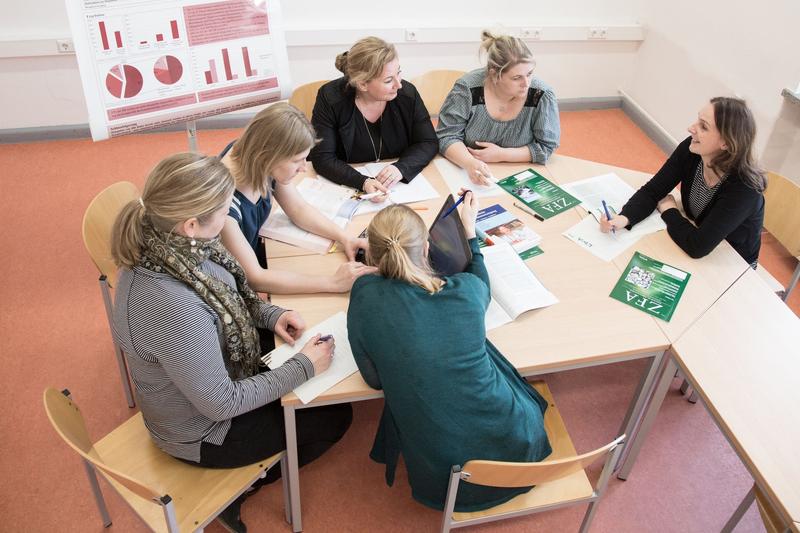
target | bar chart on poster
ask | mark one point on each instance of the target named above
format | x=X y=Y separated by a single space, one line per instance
x=149 y=63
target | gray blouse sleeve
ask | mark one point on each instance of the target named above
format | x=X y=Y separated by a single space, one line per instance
x=454 y=116
x=546 y=128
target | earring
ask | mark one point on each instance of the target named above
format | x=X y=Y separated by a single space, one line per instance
x=193 y=244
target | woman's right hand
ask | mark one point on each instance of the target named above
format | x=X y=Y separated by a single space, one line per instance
x=469 y=212
x=319 y=353
x=372 y=185
x=479 y=172
x=347 y=274
x=617 y=222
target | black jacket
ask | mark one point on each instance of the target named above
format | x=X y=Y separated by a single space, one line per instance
x=735 y=213
x=406 y=131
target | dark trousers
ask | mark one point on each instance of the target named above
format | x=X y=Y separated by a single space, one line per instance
x=260 y=433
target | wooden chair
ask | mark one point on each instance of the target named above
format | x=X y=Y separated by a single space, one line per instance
x=769 y=516
x=304 y=97
x=559 y=481
x=97 y=222
x=433 y=87
x=782 y=220
x=167 y=494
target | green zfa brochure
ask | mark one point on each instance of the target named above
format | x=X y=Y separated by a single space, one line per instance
x=651 y=286
x=539 y=193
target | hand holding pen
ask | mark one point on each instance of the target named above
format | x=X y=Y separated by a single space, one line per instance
x=319 y=349
x=611 y=223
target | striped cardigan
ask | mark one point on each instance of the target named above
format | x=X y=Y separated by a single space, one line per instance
x=174 y=347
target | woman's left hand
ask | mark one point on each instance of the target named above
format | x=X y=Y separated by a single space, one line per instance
x=351 y=246
x=290 y=326
x=668 y=202
x=488 y=152
x=389 y=175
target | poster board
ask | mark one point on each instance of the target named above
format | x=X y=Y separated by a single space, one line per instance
x=145 y=64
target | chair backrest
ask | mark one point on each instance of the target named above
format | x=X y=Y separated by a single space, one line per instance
x=433 y=87
x=505 y=474
x=98 y=221
x=782 y=215
x=304 y=97
x=68 y=422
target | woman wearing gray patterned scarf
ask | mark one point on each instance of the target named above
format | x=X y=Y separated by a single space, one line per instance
x=186 y=320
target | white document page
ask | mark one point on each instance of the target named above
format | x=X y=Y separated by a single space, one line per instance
x=457 y=178
x=342 y=365
x=606 y=246
x=612 y=189
x=515 y=288
x=419 y=190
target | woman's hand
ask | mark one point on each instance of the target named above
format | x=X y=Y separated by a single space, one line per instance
x=469 y=212
x=389 y=175
x=617 y=222
x=351 y=246
x=668 y=202
x=290 y=327
x=479 y=172
x=319 y=352
x=371 y=185
x=347 y=274
x=488 y=152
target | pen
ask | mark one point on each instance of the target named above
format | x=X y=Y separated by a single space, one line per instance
x=534 y=215
x=608 y=216
x=484 y=237
x=324 y=338
x=456 y=204
x=371 y=195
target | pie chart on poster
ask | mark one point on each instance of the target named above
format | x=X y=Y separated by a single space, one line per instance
x=168 y=70
x=124 y=81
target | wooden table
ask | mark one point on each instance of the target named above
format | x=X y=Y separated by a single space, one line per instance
x=743 y=359
x=582 y=330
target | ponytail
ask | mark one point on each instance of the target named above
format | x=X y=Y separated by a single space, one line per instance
x=127 y=239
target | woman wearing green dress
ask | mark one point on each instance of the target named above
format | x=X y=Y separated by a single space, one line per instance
x=450 y=395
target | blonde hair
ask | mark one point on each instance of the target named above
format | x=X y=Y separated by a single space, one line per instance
x=180 y=187
x=276 y=133
x=503 y=52
x=397 y=237
x=365 y=60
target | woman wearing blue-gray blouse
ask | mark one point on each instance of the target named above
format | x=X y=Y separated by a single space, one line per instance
x=499 y=113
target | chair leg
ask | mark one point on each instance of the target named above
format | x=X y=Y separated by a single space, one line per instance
x=792 y=283
x=287 y=495
x=123 y=368
x=587 y=518
x=685 y=386
x=169 y=514
x=98 y=495
x=740 y=511
x=692 y=397
x=450 y=501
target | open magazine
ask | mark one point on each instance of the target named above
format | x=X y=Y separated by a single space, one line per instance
x=515 y=288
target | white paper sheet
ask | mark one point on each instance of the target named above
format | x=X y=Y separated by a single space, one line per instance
x=342 y=365
x=606 y=246
x=457 y=178
x=419 y=190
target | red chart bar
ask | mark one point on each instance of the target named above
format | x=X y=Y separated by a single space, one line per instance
x=174 y=25
x=209 y=80
x=212 y=67
x=160 y=37
x=118 y=38
x=227 y=63
x=103 y=35
x=246 y=56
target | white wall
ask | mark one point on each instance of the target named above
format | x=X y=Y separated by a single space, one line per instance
x=46 y=91
x=695 y=50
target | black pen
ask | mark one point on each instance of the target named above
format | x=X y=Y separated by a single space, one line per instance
x=534 y=215
x=324 y=338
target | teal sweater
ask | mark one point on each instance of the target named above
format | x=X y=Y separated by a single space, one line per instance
x=450 y=395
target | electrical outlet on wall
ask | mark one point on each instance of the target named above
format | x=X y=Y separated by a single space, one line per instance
x=598 y=32
x=65 y=46
x=533 y=34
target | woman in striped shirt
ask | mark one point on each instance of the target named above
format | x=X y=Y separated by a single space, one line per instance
x=722 y=188
x=186 y=320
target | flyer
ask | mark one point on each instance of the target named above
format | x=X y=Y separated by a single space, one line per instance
x=145 y=64
x=651 y=286
x=499 y=224
x=540 y=194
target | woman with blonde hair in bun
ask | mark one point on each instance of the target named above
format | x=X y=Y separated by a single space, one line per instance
x=450 y=394
x=370 y=114
x=499 y=113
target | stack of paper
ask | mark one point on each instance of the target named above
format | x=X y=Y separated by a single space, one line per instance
x=457 y=179
x=515 y=288
x=342 y=365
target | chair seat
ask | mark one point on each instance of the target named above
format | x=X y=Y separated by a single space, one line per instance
x=204 y=488
x=573 y=487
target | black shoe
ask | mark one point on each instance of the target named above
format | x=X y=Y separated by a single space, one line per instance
x=231 y=519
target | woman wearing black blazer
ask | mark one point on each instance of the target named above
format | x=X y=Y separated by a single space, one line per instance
x=371 y=114
x=722 y=189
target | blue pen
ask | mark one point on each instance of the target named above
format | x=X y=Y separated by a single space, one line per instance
x=456 y=204
x=608 y=216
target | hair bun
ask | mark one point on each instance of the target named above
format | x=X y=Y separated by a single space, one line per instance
x=341 y=62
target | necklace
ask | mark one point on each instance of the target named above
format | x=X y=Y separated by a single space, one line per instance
x=380 y=140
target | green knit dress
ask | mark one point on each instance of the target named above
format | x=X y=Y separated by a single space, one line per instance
x=450 y=395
